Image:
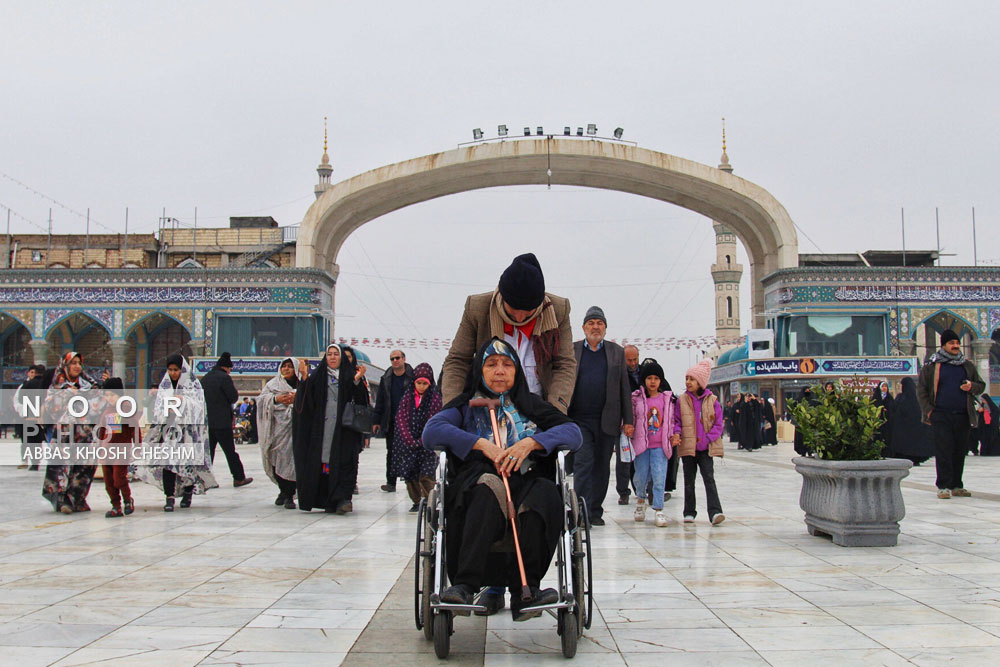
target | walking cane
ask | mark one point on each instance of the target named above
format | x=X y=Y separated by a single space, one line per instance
x=492 y=404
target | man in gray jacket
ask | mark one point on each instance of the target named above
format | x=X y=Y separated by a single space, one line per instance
x=602 y=405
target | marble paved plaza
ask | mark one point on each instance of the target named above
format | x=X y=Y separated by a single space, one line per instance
x=238 y=581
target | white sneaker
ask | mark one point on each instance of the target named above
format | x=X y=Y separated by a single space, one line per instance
x=718 y=518
x=640 y=510
x=661 y=520
x=688 y=518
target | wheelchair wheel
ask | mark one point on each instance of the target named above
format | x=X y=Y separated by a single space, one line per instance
x=581 y=566
x=427 y=570
x=420 y=591
x=442 y=634
x=569 y=632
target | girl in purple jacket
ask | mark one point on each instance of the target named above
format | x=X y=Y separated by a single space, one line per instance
x=651 y=438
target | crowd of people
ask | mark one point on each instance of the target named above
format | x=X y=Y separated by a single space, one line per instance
x=751 y=422
x=312 y=426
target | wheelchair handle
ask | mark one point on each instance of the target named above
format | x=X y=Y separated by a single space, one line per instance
x=492 y=403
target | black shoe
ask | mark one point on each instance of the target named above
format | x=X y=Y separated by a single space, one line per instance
x=280 y=500
x=169 y=506
x=242 y=482
x=597 y=521
x=289 y=503
x=457 y=594
x=623 y=500
x=389 y=488
x=494 y=602
x=344 y=507
x=666 y=496
x=186 y=500
x=538 y=598
x=415 y=508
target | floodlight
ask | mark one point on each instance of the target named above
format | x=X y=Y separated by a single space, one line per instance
x=618 y=132
x=566 y=130
x=579 y=131
x=477 y=134
x=591 y=129
x=527 y=131
x=539 y=131
x=502 y=130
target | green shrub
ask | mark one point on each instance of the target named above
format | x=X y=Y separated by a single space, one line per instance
x=841 y=425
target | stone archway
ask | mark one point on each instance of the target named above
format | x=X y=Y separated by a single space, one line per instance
x=148 y=343
x=757 y=218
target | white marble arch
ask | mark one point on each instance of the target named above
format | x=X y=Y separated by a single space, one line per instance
x=757 y=218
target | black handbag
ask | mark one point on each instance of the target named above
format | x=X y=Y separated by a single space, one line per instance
x=358 y=418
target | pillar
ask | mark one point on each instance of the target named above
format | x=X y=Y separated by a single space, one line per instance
x=907 y=347
x=119 y=348
x=335 y=272
x=981 y=356
x=930 y=340
x=197 y=347
x=40 y=350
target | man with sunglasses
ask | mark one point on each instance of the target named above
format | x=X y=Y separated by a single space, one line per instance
x=395 y=381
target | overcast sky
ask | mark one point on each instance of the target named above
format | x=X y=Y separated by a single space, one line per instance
x=846 y=112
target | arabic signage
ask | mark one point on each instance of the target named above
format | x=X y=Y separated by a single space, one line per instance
x=895 y=366
x=241 y=366
x=971 y=293
x=816 y=366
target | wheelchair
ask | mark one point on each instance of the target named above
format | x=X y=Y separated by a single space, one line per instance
x=574 y=608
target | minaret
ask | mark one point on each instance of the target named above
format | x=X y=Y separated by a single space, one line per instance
x=726 y=272
x=324 y=169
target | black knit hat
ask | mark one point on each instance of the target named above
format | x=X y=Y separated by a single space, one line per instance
x=651 y=367
x=225 y=361
x=948 y=335
x=522 y=284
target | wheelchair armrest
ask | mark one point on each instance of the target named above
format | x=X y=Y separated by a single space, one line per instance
x=439 y=448
x=564 y=448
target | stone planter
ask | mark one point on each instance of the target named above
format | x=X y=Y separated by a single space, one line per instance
x=857 y=503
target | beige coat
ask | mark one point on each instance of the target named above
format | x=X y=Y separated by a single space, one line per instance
x=689 y=435
x=556 y=375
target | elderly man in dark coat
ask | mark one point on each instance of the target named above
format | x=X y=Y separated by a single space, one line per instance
x=602 y=406
x=220 y=394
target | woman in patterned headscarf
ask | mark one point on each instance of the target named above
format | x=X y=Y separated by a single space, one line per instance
x=531 y=432
x=326 y=453
x=67 y=486
x=276 y=426
x=410 y=460
x=189 y=428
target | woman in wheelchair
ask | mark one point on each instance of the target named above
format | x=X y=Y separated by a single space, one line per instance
x=531 y=432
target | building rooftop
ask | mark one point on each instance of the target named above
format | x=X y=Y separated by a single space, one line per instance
x=889 y=258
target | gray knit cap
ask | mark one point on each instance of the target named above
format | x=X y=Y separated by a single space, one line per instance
x=595 y=313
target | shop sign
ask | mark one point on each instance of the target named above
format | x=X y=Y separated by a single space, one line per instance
x=862 y=365
x=773 y=367
x=728 y=372
x=243 y=366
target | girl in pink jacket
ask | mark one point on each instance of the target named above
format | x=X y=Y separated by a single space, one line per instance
x=651 y=437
